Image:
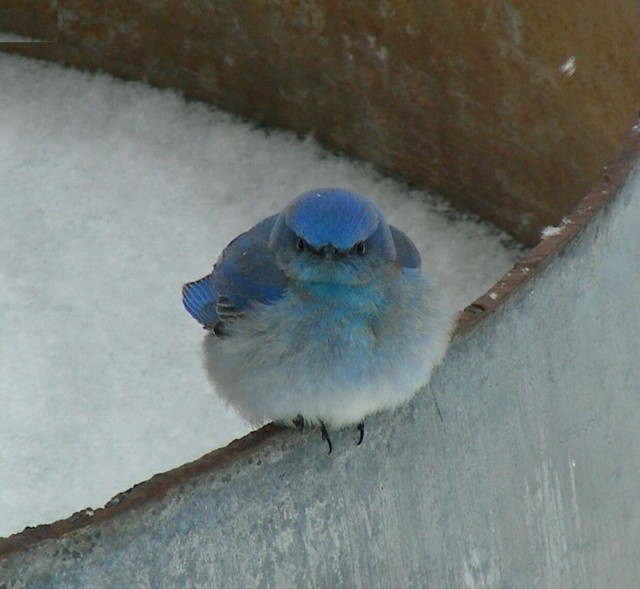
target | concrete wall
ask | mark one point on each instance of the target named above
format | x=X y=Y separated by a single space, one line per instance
x=527 y=476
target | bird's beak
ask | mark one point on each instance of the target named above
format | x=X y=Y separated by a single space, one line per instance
x=329 y=252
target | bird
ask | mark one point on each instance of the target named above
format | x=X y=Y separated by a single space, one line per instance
x=319 y=315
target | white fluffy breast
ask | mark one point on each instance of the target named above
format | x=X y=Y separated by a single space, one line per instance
x=317 y=359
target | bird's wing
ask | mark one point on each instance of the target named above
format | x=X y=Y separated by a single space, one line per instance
x=245 y=273
x=407 y=252
x=200 y=300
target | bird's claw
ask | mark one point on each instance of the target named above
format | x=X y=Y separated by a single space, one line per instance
x=325 y=436
x=361 y=430
x=298 y=423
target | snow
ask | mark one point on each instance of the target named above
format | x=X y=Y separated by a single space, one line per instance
x=13 y=38
x=112 y=195
x=550 y=231
x=568 y=68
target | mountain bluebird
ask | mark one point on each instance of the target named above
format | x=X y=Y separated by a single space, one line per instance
x=319 y=314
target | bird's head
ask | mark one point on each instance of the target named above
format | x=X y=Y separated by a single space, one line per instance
x=332 y=236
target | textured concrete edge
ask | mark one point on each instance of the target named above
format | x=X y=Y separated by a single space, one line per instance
x=154 y=489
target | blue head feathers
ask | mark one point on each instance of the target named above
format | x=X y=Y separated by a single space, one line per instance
x=332 y=236
x=332 y=216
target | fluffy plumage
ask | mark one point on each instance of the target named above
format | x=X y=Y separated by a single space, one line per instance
x=321 y=311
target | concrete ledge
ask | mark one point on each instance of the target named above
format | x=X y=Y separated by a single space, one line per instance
x=524 y=474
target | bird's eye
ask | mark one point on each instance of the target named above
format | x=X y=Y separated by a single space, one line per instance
x=360 y=248
x=301 y=245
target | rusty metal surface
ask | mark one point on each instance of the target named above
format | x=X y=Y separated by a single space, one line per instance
x=508 y=109
x=36 y=19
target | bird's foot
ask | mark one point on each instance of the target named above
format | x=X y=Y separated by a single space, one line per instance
x=361 y=430
x=325 y=436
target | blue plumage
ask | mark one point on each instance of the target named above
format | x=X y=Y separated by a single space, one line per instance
x=199 y=299
x=244 y=274
x=324 y=312
x=408 y=254
x=332 y=216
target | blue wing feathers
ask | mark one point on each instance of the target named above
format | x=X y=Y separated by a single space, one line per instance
x=245 y=273
x=408 y=254
x=200 y=300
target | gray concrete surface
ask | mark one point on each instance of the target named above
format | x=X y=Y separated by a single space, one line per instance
x=530 y=479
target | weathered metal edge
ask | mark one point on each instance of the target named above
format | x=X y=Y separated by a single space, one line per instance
x=613 y=177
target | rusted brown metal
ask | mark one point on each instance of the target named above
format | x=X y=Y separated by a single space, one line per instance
x=35 y=19
x=508 y=109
